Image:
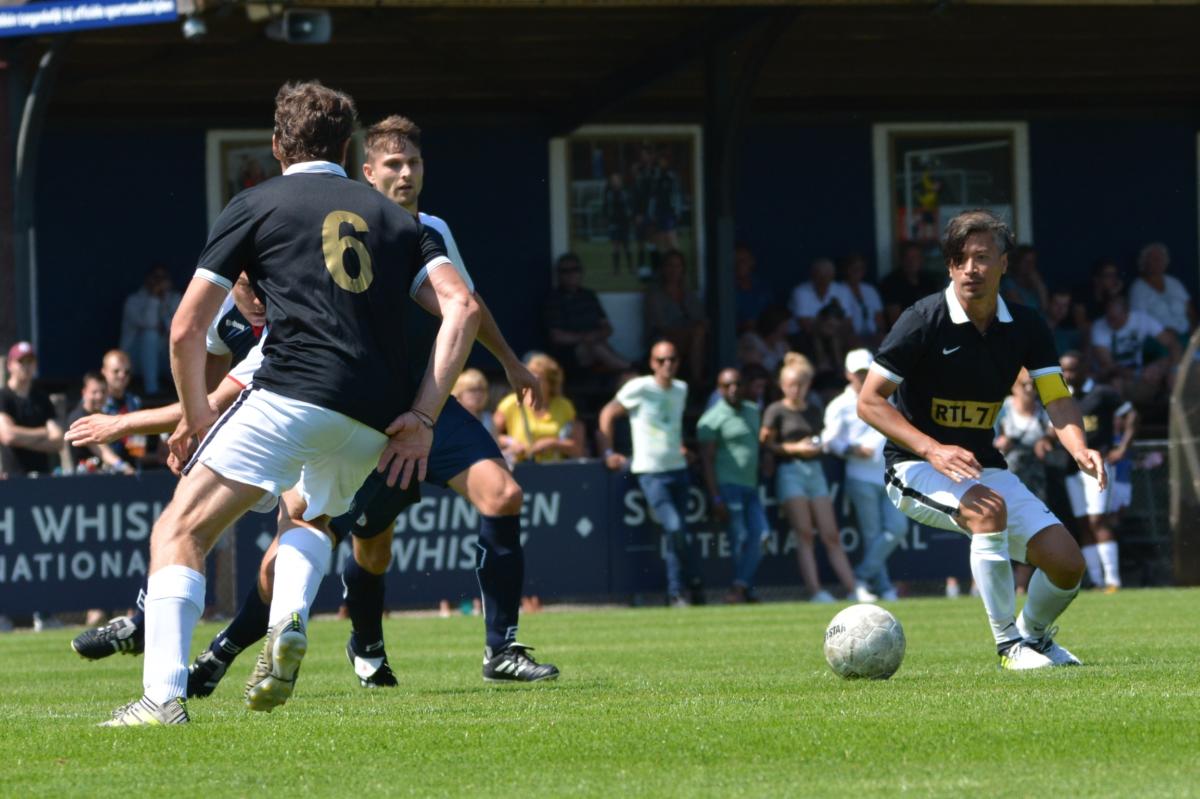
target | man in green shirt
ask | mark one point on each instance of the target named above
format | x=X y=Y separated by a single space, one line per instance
x=728 y=435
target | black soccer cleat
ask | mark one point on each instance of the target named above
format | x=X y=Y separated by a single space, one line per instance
x=372 y=672
x=513 y=664
x=204 y=675
x=119 y=635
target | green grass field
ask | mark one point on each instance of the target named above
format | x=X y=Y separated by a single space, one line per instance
x=714 y=701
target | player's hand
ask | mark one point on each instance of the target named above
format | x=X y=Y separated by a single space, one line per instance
x=616 y=461
x=1091 y=462
x=525 y=385
x=955 y=462
x=407 y=452
x=97 y=428
x=187 y=434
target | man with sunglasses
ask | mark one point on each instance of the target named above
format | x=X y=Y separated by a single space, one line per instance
x=655 y=405
x=578 y=327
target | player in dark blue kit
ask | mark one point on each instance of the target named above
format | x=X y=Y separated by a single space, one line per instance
x=464 y=457
x=950 y=361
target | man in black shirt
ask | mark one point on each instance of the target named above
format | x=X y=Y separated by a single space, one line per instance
x=1100 y=405
x=333 y=260
x=28 y=428
x=951 y=360
x=907 y=283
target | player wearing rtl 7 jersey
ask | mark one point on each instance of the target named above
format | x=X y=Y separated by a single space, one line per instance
x=1100 y=405
x=950 y=361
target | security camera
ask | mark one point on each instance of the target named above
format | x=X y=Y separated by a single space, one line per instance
x=194 y=28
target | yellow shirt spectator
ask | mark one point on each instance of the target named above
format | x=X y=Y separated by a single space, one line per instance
x=528 y=426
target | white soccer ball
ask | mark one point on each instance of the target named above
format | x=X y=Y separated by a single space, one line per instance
x=864 y=642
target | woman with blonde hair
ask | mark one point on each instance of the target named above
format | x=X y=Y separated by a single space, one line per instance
x=791 y=430
x=471 y=390
x=552 y=434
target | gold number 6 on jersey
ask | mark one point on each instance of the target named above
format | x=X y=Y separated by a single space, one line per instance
x=335 y=246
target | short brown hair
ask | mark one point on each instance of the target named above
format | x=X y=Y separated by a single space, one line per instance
x=312 y=122
x=391 y=135
x=540 y=362
x=967 y=224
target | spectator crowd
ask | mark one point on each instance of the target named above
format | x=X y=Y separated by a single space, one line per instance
x=779 y=416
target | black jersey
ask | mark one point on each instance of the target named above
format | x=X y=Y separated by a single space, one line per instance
x=333 y=260
x=953 y=379
x=1100 y=405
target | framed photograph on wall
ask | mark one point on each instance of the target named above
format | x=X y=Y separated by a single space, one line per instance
x=236 y=160
x=620 y=197
x=926 y=173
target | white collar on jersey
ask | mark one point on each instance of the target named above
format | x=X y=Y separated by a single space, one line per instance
x=315 y=168
x=958 y=314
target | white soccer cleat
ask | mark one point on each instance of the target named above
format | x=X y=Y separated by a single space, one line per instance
x=1021 y=656
x=274 y=677
x=1059 y=655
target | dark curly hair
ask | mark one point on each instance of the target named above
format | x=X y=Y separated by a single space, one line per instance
x=312 y=122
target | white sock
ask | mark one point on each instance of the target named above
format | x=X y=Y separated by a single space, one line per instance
x=1045 y=603
x=300 y=563
x=993 y=574
x=1091 y=556
x=174 y=602
x=1107 y=551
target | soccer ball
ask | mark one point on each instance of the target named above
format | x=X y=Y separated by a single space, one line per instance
x=864 y=642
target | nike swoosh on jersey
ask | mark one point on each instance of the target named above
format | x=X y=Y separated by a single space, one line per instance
x=951 y=352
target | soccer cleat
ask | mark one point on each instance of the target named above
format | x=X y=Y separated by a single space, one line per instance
x=861 y=594
x=513 y=664
x=1111 y=589
x=119 y=635
x=204 y=675
x=372 y=672
x=148 y=713
x=1021 y=656
x=274 y=676
x=1059 y=655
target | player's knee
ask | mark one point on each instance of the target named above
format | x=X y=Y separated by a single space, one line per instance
x=982 y=510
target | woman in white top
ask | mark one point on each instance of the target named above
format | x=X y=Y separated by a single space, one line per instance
x=1160 y=295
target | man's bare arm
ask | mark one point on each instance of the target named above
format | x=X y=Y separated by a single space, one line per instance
x=1068 y=425
x=99 y=428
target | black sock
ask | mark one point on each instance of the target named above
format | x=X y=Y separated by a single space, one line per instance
x=501 y=577
x=364 y=601
x=248 y=627
x=139 y=618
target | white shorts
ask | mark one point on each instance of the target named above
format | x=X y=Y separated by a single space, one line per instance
x=927 y=496
x=275 y=443
x=1086 y=497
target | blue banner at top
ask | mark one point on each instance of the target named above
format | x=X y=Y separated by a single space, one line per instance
x=74 y=15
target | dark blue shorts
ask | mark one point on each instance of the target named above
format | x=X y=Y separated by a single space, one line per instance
x=459 y=442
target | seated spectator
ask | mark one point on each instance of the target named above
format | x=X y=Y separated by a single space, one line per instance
x=93 y=457
x=471 y=390
x=146 y=323
x=766 y=343
x=1022 y=283
x=728 y=437
x=674 y=313
x=819 y=306
x=1062 y=324
x=751 y=295
x=1091 y=299
x=29 y=433
x=1118 y=341
x=864 y=305
x=578 y=327
x=118 y=372
x=1161 y=295
x=908 y=282
x=541 y=436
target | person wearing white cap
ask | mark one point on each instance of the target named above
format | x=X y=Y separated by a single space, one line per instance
x=881 y=524
x=28 y=427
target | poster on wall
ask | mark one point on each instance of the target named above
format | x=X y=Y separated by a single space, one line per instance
x=925 y=174
x=622 y=197
x=237 y=160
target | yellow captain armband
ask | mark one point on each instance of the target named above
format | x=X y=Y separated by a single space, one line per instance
x=1050 y=384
